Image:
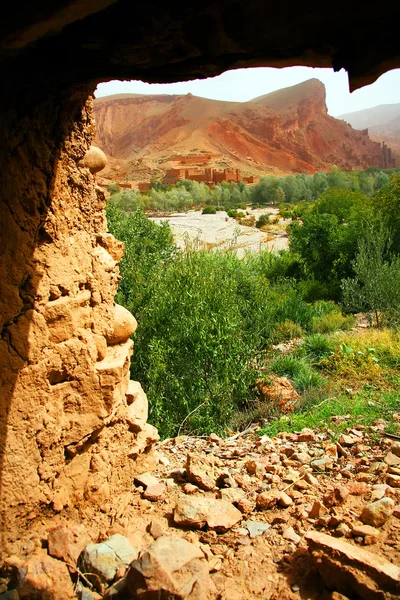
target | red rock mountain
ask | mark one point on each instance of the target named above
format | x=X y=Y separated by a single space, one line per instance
x=285 y=131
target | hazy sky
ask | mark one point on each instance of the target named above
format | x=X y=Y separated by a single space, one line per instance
x=244 y=84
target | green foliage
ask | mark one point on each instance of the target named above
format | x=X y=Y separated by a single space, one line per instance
x=288 y=330
x=209 y=210
x=327 y=239
x=262 y=221
x=375 y=288
x=113 y=188
x=196 y=341
x=148 y=249
x=317 y=346
x=303 y=376
x=331 y=322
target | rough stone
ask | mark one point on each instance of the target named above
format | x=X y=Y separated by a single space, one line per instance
x=232 y=495
x=41 y=576
x=378 y=512
x=155 y=492
x=290 y=535
x=197 y=512
x=170 y=568
x=201 y=472
x=352 y=570
x=106 y=558
x=146 y=480
x=66 y=542
x=257 y=528
x=267 y=500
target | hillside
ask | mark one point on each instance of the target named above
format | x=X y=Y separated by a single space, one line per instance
x=286 y=131
x=382 y=122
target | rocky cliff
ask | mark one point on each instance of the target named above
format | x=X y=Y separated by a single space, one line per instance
x=285 y=131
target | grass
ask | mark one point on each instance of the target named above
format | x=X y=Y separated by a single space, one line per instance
x=360 y=383
x=364 y=408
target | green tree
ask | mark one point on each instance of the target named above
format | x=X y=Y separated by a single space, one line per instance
x=375 y=287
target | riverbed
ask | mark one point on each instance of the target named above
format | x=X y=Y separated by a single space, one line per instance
x=222 y=232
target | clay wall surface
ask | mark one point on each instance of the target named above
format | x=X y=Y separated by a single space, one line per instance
x=72 y=425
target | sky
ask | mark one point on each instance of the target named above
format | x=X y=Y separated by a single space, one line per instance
x=241 y=85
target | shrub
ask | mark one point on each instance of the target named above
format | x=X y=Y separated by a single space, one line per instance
x=318 y=346
x=113 y=188
x=262 y=221
x=331 y=322
x=209 y=210
x=288 y=330
x=307 y=378
x=288 y=366
x=302 y=374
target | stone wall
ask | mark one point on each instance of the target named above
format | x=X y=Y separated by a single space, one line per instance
x=72 y=426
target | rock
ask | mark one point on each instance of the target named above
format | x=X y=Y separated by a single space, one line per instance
x=307 y=435
x=311 y=479
x=66 y=542
x=378 y=512
x=189 y=488
x=393 y=481
x=284 y=500
x=215 y=439
x=279 y=391
x=155 y=529
x=154 y=492
x=342 y=530
x=122 y=327
x=315 y=510
x=41 y=576
x=395 y=448
x=106 y=558
x=146 y=480
x=256 y=528
x=169 y=568
x=357 y=488
x=291 y=535
x=391 y=459
x=246 y=506
x=253 y=467
x=347 y=440
x=352 y=570
x=138 y=408
x=233 y=495
x=336 y=497
x=322 y=464
x=301 y=457
x=364 y=531
x=267 y=500
x=201 y=472
x=197 y=512
x=95 y=160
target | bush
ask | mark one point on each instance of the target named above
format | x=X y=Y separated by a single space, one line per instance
x=331 y=322
x=302 y=374
x=113 y=188
x=317 y=346
x=288 y=330
x=209 y=210
x=262 y=221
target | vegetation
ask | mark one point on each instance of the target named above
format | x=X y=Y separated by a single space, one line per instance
x=211 y=325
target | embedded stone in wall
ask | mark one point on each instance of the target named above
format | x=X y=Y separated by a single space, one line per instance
x=123 y=326
x=95 y=160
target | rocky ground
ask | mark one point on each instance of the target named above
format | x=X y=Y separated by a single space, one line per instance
x=297 y=516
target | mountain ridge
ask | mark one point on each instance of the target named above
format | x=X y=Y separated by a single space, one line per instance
x=288 y=130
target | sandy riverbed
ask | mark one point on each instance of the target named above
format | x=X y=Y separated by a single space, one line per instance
x=221 y=231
